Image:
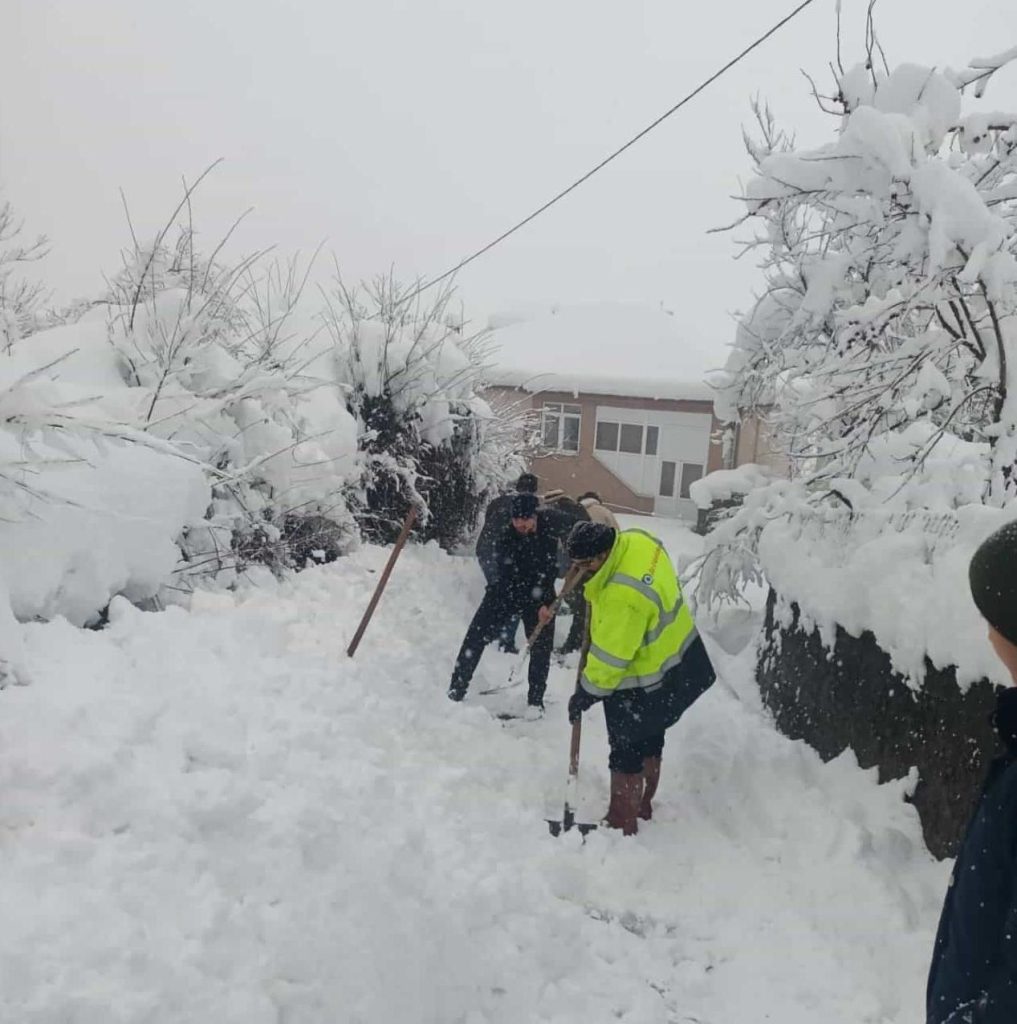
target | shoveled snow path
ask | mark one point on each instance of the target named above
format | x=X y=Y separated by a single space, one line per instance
x=216 y=816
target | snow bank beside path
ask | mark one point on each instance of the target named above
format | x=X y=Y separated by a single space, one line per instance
x=215 y=816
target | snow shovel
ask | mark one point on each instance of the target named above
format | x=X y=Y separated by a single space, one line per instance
x=568 y=818
x=572 y=577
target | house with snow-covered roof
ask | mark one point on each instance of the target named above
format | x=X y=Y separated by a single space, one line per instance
x=623 y=403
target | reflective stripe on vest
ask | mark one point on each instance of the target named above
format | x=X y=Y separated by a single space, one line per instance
x=607 y=657
x=649 y=682
x=665 y=616
x=667 y=630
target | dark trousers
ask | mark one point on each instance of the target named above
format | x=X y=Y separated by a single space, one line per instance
x=507 y=636
x=637 y=719
x=488 y=622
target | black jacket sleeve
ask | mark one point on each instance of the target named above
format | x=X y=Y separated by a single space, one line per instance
x=504 y=555
x=559 y=524
x=999 y=1004
x=495 y=521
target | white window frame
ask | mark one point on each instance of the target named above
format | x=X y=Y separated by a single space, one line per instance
x=617 y=435
x=619 y=425
x=560 y=411
x=641 y=427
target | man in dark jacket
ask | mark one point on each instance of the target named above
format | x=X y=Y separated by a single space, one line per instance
x=574 y=512
x=497 y=517
x=973 y=975
x=525 y=557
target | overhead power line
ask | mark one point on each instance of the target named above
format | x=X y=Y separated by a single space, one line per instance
x=618 y=152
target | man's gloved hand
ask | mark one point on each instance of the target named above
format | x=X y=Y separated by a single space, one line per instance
x=579 y=702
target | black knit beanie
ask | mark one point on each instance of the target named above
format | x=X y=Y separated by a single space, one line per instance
x=524 y=506
x=993 y=578
x=587 y=540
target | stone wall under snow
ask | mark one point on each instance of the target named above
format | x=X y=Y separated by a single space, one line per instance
x=848 y=695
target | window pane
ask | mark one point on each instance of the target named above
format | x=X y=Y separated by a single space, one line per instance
x=573 y=410
x=550 y=430
x=607 y=437
x=632 y=438
x=667 y=479
x=652 y=434
x=691 y=472
x=570 y=433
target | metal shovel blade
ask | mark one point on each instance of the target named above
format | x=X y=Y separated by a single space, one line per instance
x=568 y=822
x=557 y=827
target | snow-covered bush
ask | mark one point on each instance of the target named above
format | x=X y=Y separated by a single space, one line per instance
x=89 y=506
x=426 y=435
x=221 y=362
x=191 y=410
x=21 y=299
x=201 y=416
x=882 y=349
x=727 y=484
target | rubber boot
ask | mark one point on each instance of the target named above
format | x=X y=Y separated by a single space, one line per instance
x=626 y=793
x=651 y=779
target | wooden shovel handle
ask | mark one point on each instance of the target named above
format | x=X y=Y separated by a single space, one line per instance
x=572 y=577
x=376 y=596
x=577 y=735
x=577 y=725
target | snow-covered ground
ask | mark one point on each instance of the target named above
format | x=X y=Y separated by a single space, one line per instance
x=215 y=816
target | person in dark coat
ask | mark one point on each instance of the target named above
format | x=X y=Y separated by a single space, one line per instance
x=574 y=512
x=973 y=975
x=497 y=517
x=526 y=564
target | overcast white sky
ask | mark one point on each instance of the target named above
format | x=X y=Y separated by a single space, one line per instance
x=409 y=132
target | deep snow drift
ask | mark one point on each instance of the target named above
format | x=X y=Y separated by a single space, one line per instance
x=216 y=816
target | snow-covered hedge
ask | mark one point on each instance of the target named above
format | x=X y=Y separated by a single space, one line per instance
x=900 y=575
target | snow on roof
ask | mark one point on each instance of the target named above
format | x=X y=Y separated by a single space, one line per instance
x=604 y=348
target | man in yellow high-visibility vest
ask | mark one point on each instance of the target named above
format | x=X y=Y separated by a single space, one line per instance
x=646 y=661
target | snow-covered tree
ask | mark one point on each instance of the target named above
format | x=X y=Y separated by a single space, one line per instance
x=883 y=348
x=414 y=373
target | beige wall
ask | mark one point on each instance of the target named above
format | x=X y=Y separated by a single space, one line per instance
x=583 y=471
x=756 y=444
